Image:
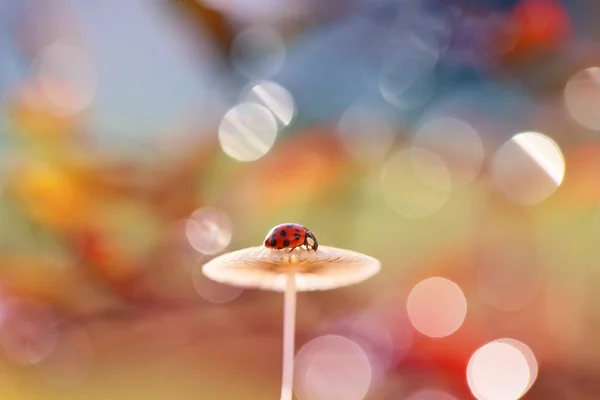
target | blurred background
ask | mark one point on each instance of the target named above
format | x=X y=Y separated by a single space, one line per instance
x=458 y=141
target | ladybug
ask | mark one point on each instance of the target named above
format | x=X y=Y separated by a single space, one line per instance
x=292 y=236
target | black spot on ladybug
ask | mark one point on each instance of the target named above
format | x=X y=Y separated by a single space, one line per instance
x=273 y=242
x=274 y=236
x=283 y=233
x=297 y=236
x=289 y=226
x=297 y=230
x=286 y=243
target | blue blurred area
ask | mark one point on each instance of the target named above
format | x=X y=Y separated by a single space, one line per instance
x=155 y=69
x=149 y=75
x=330 y=68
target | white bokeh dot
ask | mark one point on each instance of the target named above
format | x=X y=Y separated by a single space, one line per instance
x=436 y=307
x=247 y=132
x=275 y=98
x=498 y=371
x=529 y=357
x=528 y=168
x=332 y=367
x=209 y=230
x=582 y=97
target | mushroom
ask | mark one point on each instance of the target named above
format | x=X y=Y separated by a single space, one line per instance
x=290 y=272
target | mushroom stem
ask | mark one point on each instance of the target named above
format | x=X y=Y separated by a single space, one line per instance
x=289 y=328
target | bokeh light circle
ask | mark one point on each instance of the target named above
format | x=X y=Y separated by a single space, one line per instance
x=415 y=182
x=412 y=97
x=436 y=307
x=247 y=132
x=209 y=230
x=276 y=99
x=528 y=168
x=582 y=97
x=529 y=357
x=258 y=52
x=499 y=371
x=430 y=394
x=405 y=80
x=332 y=367
x=457 y=143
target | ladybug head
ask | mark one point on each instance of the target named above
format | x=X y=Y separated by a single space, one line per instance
x=315 y=244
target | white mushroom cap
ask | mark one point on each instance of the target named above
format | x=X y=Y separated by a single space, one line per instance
x=264 y=268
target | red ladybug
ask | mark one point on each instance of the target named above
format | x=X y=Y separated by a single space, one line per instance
x=290 y=235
